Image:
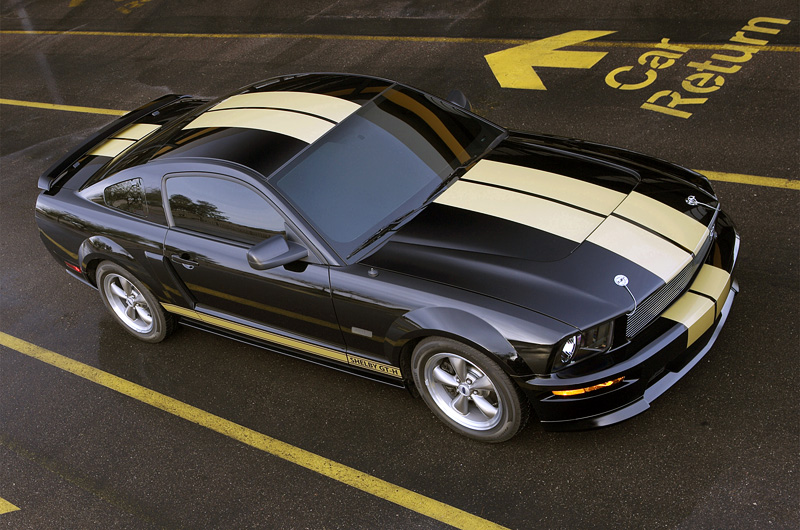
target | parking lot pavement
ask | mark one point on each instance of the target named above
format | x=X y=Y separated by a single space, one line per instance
x=719 y=450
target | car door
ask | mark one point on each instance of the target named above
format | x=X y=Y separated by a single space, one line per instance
x=214 y=221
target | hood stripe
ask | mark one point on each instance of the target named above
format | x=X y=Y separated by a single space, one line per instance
x=583 y=195
x=641 y=246
x=546 y=215
x=301 y=126
x=665 y=220
x=327 y=107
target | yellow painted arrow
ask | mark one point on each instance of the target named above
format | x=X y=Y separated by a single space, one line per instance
x=513 y=67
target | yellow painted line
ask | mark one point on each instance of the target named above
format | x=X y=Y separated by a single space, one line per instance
x=70 y=108
x=374 y=38
x=753 y=180
x=329 y=468
x=737 y=178
x=6 y=507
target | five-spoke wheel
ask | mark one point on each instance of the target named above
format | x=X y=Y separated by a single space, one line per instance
x=132 y=304
x=468 y=391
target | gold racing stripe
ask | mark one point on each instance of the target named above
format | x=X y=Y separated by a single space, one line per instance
x=694 y=311
x=568 y=190
x=642 y=247
x=286 y=341
x=111 y=147
x=663 y=219
x=301 y=126
x=535 y=212
x=123 y=139
x=714 y=283
x=329 y=107
x=137 y=131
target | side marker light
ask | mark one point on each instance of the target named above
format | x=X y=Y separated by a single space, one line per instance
x=577 y=391
x=72 y=267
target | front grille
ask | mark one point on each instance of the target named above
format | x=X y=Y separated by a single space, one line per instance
x=652 y=306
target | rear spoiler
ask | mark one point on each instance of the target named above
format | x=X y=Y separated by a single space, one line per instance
x=49 y=176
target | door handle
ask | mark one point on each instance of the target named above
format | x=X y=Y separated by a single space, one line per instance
x=185 y=260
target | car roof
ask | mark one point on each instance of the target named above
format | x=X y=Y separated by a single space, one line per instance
x=265 y=125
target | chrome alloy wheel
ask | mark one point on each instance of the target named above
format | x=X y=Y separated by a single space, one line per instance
x=128 y=303
x=463 y=392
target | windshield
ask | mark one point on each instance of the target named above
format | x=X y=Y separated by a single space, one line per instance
x=381 y=163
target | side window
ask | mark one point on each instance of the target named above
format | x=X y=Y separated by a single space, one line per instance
x=127 y=196
x=222 y=208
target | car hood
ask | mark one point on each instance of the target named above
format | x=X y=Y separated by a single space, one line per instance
x=550 y=230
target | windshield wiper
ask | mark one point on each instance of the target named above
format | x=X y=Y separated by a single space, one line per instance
x=394 y=224
x=377 y=235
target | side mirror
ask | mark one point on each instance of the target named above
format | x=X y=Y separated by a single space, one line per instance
x=274 y=252
x=457 y=97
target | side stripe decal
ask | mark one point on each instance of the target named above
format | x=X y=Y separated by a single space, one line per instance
x=320 y=351
x=538 y=213
x=328 y=107
x=568 y=190
x=301 y=126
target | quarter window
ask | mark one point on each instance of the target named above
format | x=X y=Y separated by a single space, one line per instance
x=127 y=196
x=222 y=207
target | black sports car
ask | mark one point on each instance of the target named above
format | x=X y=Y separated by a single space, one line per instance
x=362 y=224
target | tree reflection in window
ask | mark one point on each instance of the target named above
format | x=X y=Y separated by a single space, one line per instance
x=127 y=196
x=222 y=208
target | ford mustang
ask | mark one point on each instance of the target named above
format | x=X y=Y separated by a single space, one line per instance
x=362 y=224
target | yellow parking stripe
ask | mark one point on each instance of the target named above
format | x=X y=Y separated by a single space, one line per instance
x=6 y=507
x=300 y=126
x=69 y=108
x=582 y=194
x=753 y=180
x=329 y=107
x=543 y=214
x=329 y=468
x=374 y=38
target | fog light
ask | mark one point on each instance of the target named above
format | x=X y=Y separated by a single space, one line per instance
x=577 y=391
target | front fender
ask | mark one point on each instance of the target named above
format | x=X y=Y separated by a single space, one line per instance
x=458 y=325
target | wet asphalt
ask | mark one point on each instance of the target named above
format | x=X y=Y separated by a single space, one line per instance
x=719 y=450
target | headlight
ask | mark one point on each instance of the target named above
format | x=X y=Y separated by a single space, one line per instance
x=580 y=346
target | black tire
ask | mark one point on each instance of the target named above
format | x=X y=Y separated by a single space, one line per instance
x=132 y=304
x=468 y=391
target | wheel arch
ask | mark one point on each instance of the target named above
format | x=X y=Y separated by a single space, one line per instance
x=447 y=322
x=96 y=249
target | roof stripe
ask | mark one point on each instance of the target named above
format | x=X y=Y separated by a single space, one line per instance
x=137 y=131
x=301 y=126
x=585 y=195
x=543 y=214
x=328 y=107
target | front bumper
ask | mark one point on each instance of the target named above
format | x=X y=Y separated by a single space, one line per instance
x=673 y=345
